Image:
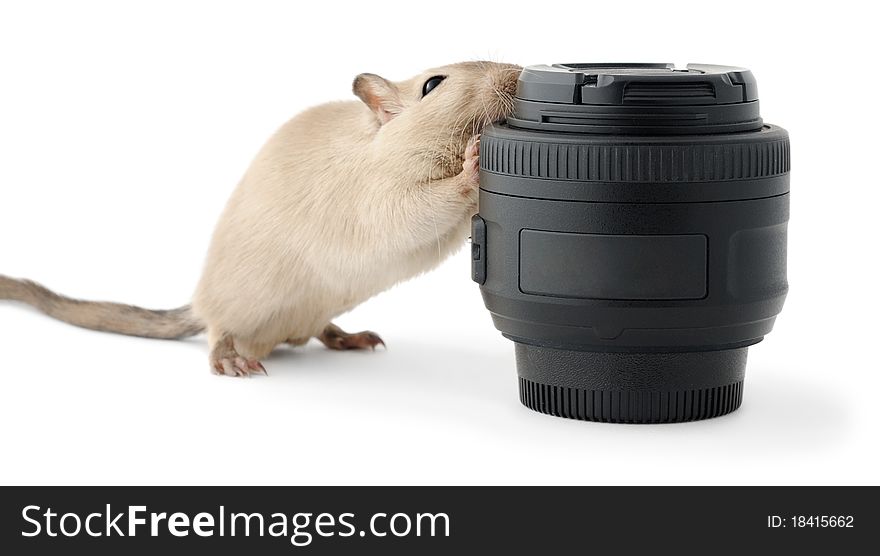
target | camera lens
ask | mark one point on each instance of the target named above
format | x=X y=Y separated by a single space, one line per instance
x=631 y=238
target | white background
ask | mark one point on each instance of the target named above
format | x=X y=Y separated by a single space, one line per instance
x=125 y=126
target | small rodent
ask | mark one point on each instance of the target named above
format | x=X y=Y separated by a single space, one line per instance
x=345 y=200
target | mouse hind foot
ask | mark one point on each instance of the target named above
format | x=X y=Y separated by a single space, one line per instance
x=225 y=360
x=336 y=338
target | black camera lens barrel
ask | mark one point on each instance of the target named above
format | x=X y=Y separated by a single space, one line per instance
x=631 y=238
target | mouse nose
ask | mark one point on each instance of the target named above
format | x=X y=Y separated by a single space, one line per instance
x=508 y=84
x=505 y=79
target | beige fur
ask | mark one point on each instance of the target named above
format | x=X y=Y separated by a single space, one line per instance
x=344 y=201
x=107 y=317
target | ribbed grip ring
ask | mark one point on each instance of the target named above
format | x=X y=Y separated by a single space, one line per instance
x=626 y=387
x=634 y=162
x=630 y=406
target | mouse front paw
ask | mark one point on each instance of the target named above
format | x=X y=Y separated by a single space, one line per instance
x=470 y=171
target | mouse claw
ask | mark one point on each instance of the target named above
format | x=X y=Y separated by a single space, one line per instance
x=473 y=148
x=379 y=342
x=366 y=339
x=255 y=365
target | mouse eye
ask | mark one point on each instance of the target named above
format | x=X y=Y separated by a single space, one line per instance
x=431 y=84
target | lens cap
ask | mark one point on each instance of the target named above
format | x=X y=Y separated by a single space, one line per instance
x=641 y=99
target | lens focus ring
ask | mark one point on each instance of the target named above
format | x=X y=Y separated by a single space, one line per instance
x=709 y=160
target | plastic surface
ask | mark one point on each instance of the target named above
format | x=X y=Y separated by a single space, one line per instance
x=668 y=387
x=659 y=266
x=637 y=99
x=647 y=254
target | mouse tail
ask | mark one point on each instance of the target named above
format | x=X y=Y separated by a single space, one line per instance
x=106 y=317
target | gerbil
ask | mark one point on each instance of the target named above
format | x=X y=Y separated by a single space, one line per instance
x=344 y=201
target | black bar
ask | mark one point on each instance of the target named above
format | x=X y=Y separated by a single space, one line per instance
x=515 y=520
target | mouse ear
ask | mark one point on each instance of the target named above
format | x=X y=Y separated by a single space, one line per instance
x=379 y=94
